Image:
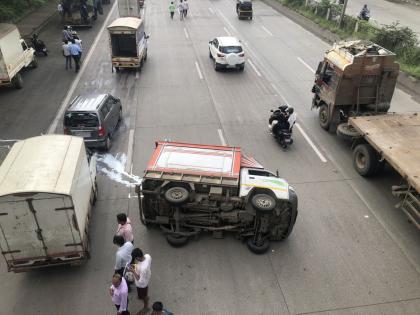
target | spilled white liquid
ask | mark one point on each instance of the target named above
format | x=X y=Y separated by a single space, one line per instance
x=113 y=167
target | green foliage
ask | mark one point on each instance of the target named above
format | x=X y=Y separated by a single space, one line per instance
x=12 y=10
x=396 y=37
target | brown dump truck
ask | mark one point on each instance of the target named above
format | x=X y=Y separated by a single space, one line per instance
x=354 y=85
x=356 y=78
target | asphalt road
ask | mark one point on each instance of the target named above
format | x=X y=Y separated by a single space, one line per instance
x=351 y=251
x=387 y=12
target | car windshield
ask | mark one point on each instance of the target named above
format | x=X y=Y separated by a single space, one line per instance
x=230 y=49
x=81 y=120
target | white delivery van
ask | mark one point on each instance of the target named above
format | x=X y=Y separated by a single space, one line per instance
x=15 y=55
x=47 y=189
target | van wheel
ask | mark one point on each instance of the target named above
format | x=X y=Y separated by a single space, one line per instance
x=176 y=240
x=107 y=144
x=176 y=195
x=324 y=117
x=17 y=81
x=258 y=247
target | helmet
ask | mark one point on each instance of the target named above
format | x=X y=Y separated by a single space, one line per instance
x=283 y=107
x=290 y=110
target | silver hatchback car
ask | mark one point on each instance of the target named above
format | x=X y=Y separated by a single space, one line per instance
x=93 y=117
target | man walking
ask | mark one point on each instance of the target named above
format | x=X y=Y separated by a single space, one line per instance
x=75 y=52
x=181 y=10
x=119 y=294
x=185 y=7
x=142 y=274
x=172 y=9
x=66 y=54
x=123 y=254
x=124 y=228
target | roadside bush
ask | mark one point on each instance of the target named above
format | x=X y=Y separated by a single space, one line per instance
x=396 y=37
x=12 y=10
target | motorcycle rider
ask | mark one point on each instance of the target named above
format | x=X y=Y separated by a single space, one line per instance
x=364 y=13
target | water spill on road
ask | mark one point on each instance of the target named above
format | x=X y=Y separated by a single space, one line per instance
x=113 y=167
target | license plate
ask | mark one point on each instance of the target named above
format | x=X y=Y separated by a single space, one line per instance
x=83 y=134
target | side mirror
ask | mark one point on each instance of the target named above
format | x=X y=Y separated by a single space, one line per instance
x=271 y=110
x=277 y=173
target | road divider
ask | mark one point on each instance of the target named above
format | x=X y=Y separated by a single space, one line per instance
x=198 y=70
x=306 y=65
x=76 y=81
x=254 y=67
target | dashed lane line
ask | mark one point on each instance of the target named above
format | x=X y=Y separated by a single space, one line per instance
x=254 y=67
x=198 y=70
x=305 y=64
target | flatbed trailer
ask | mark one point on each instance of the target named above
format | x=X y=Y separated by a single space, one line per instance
x=394 y=138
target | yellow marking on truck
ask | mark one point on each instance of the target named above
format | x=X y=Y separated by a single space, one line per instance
x=268 y=187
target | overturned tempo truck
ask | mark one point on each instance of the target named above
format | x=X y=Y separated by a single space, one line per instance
x=191 y=188
x=47 y=190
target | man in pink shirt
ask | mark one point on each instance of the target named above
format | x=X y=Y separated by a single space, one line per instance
x=124 y=228
x=119 y=294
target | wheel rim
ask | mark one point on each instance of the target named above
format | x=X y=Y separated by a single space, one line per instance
x=323 y=116
x=360 y=160
x=263 y=203
x=176 y=194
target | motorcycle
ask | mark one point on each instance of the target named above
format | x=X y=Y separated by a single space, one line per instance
x=39 y=45
x=279 y=126
x=364 y=15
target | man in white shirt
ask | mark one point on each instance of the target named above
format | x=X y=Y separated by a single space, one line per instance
x=142 y=274
x=67 y=54
x=123 y=255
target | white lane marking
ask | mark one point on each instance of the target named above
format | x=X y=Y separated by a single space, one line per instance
x=254 y=67
x=137 y=75
x=227 y=31
x=76 y=81
x=129 y=165
x=226 y=20
x=267 y=30
x=186 y=33
x=305 y=64
x=310 y=142
x=222 y=139
x=211 y=10
x=198 y=70
x=313 y=146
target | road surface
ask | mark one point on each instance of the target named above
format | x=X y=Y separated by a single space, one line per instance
x=351 y=251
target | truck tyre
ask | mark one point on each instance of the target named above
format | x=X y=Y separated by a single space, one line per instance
x=176 y=240
x=17 y=81
x=346 y=131
x=176 y=195
x=258 y=248
x=34 y=62
x=263 y=202
x=365 y=159
x=324 y=117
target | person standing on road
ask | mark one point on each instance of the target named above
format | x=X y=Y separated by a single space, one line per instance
x=123 y=254
x=181 y=10
x=66 y=34
x=142 y=273
x=185 y=8
x=124 y=228
x=75 y=53
x=78 y=42
x=119 y=294
x=172 y=9
x=67 y=54
x=158 y=309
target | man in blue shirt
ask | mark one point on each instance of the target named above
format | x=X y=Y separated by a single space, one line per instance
x=75 y=52
x=159 y=310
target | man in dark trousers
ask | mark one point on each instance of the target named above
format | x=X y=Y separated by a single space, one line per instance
x=75 y=52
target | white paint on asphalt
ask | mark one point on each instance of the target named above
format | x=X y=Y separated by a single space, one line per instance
x=307 y=138
x=137 y=75
x=226 y=20
x=198 y=70
x=186 y=33
x=113 y=167
x=76 y=81
x=211 y=10
x=254 y=67
x=227 y=31
x=222 y=139
x=267 y=30
x=129 y=164
x=306 y=65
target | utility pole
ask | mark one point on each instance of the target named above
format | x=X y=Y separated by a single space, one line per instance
x=343 y=13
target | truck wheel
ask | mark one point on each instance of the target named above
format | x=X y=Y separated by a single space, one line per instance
x=324 y=117
x=365 y=159
x=258 y=247
x=17 y=81
x=34 y=62
x=176 y=195
x=263 y=202
x=176 y=240
x=346 y=131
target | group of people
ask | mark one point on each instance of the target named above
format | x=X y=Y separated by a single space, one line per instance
x=131 y=266
x=72 y=49
x=183 y=7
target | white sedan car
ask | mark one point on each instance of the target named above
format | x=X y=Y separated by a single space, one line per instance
x=227 y=52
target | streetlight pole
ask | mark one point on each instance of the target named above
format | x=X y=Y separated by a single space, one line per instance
x=343 y=13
